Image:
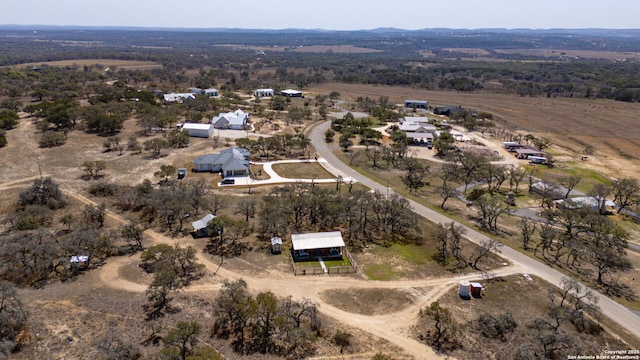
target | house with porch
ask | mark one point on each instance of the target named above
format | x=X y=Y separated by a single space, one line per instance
x=311 y=246
x=229 y=162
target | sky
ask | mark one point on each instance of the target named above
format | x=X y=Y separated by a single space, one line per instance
x=327 y=14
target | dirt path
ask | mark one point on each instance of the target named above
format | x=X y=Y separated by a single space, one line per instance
x=394 y=327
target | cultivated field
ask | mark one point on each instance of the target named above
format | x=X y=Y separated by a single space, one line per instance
x=121 y=64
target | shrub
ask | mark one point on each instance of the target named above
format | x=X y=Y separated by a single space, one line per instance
x=52 y=139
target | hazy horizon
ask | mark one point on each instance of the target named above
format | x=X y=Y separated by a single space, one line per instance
x=328 y=15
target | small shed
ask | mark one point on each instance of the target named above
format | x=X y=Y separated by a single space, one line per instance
x=200 y=226
x=276 y=245
x=476 y=289
x=464 y=289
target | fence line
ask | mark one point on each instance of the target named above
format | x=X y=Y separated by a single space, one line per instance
x=329 y=270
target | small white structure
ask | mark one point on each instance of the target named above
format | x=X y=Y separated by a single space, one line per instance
x=211 y=92
x=78 y=261
x=464 y=289
x=260 y=93
x=276 y=245
x=291 y=93
x=178 y=97
x=200 y=226
x=198 y=130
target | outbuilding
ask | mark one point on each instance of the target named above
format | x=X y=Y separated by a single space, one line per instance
x=311 y=246
x=211 y=92
x=198 y=130
x=276 y=245
x=200 y=226
x=416 y=104
x=260 y=93
x=291 y=93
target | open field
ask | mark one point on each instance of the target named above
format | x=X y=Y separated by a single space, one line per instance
x=339 y=49
x=610 y=127
x=121 y=64
x=589 y=54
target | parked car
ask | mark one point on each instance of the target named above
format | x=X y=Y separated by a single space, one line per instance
x=182 y=173
x=228 y=182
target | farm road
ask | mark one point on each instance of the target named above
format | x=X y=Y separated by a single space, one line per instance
x=613 y=310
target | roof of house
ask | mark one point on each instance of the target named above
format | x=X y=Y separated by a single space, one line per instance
x=276 y=240
x=583 y=202
x=419 y=135
x=210 y=90
x=229 y=159
x=202 y=223
x=321 y=240
x=290 y=92
x=196 y=126
x=237 y=117
x=416 y=101
x=178 y=96
x=415 y=120
x=417 y=127
x=265 y=90
x=526 y=151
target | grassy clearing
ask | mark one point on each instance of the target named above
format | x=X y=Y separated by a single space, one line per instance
x=302 y=171
x=327 y=263
x=368 y=301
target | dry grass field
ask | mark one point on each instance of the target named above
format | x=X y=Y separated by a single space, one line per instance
x=610 y=127
x=340 y=49
x=121 y=64
x=589 y=54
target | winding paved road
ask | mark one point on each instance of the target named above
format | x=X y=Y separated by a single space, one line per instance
x=616 y=312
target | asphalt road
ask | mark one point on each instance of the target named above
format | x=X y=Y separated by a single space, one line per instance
x=616 y=312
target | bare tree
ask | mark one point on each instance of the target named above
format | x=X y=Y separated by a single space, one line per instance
x=569 y=182
x=527 y=229
x=486 y=247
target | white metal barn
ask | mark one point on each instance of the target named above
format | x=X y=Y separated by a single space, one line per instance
x=198 y=130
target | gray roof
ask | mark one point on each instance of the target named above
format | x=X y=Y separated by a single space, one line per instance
x=229 y=159
x=202 y=223
x=321 y=240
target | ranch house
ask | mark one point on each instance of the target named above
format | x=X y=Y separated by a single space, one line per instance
x=311 y=246
x=229 y=162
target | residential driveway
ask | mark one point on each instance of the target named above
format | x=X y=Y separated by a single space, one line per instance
x=275 y=178
x=616 y=312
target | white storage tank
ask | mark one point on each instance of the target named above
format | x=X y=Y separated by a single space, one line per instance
x=464 y=289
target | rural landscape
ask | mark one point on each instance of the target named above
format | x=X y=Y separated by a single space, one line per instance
x=303 y=194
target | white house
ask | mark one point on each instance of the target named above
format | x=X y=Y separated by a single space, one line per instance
x=231 y=162
x=178 y=97
x=198 y=130
x=260 y=93
x=236 y=120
